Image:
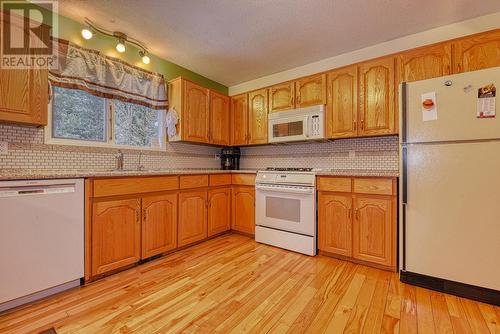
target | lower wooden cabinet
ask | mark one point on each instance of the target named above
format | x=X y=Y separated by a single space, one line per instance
x=219 y=211
x=192 y=223
x=159 y=224
x=373 y=229
x=116 y=234
x=243 y=209
x=335 y=223
x=357 y=219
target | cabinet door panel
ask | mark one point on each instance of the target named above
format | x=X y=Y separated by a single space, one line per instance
x=477 y=52
x=239 y=120
x=310 y=91
x=335 y=223
x=219 y=211
x=376 y=104
x=195 y=116
x=424 y=63
x=220 y=129
x=281 y=97
x=373 y=230
x=116 y=234
x=342 y=104
x=159 y=224
x=257 y=116
x=192 y=217
x=243 y=212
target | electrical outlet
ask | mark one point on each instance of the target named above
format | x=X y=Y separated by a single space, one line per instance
x=352 y=154
x=4 y=148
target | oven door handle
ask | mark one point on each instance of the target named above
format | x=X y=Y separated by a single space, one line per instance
x=305 y=191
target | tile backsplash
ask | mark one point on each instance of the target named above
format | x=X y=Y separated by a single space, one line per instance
x=27 y=150
x=377 y=153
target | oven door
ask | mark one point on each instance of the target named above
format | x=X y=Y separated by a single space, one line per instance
x=286 y=208
x=288 y=129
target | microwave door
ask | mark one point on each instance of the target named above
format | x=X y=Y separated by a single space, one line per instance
x=288 y=129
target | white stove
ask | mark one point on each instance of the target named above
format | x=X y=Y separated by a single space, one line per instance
x=285 y=209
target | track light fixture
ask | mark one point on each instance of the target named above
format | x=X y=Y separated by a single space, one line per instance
x=122 y=39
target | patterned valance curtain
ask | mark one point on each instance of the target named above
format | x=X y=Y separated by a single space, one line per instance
x=108 y=77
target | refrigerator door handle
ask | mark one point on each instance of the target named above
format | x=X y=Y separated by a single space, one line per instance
x=404 y=105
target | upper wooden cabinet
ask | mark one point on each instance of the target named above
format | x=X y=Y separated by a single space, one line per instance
x=219 y=211
x=376 y=97
x=220 y=125
x=159 y=224
x=24 y=96
x=239 y=120
x=282 y=97
x=257 y=116
x=477 y=52
x=342 y=102
x=374 y=236
x=310 y=91
x=192 y=217
x=195 y=117
x=335 y=223
x=424 y=63
x=116 y=234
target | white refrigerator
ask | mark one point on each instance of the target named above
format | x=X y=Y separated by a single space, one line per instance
x=449 y=213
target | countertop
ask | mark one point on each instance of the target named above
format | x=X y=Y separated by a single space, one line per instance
x=32 y=174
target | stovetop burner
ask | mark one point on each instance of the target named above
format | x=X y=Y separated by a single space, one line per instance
x=289 y=169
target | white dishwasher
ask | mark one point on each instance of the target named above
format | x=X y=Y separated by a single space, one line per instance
x=41 y=239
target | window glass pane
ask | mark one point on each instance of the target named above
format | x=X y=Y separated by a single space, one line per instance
x=137 y=125
x=79 y=115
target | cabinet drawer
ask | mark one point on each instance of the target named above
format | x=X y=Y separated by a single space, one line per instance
x=374 y=186
x=219 y=179
x=341 y=184
x=243 y=179
x=134 y=185
x=193 y=181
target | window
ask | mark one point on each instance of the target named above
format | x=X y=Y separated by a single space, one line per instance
x=78 y=117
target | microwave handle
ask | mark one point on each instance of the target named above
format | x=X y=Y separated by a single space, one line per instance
x=307 y=125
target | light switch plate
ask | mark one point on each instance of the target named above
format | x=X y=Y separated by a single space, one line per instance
x=352 y=154
x=4 y=148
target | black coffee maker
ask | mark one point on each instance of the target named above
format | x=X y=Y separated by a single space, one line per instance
x=230 y=158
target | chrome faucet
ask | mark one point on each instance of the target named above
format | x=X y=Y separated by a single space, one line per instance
x=119 y=160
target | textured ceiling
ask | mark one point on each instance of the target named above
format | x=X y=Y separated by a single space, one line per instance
x=233 y=41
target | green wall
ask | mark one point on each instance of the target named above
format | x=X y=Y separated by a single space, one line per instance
x=71 y=30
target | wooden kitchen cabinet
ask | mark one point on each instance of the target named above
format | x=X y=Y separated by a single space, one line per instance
x=257 y=117
x=219 y=211
x=243 y=209
x=477 y=52
x=116 y=234
x=376 y=97
x=335 y=223
x=159 y=224
x=239 y=120
x=357 y=219
x=24 y=96
x=192 y=222
x=282 y=97
x=373 y=229
x=424 y=63
x=195 y=117
x=342 y=103
x=310 y=91
x=220 y=126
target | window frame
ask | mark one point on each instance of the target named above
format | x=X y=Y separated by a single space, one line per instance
x=109 y=135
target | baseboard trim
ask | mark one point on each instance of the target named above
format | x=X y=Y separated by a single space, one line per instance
x=481 y=294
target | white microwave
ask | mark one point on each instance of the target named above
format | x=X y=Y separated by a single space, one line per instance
x=297 y=125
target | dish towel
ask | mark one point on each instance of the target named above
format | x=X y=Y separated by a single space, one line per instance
x=172 y=119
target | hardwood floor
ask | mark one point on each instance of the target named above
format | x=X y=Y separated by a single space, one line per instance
x=231 y=284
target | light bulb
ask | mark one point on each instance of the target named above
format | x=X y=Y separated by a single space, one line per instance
x=120 y=47
x=145 y=59
x=86 y=33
